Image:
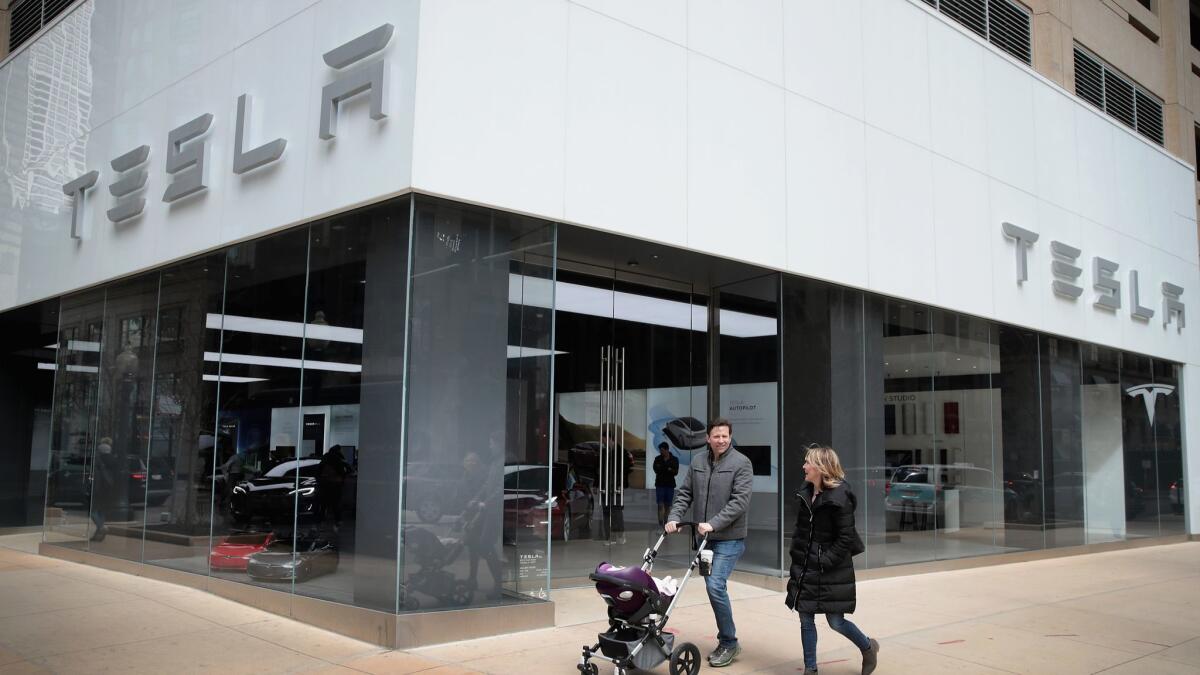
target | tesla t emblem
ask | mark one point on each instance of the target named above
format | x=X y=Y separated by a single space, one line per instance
x=1149 y=394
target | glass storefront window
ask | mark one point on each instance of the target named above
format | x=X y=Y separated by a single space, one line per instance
x=352 y=400
x=1168 y=444
x=1018 y=439
x=121 y=479
x=1100 y=401
x=405 y=408
x=182 y=436
x=1141 y=485
x=1062 y=449
x=73 y=430
x=478 y=503
x=27 y=355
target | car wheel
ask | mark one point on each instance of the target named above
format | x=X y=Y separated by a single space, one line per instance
x=566 y=525
x=429 y=512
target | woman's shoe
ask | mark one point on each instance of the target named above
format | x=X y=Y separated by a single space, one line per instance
x=870 y=656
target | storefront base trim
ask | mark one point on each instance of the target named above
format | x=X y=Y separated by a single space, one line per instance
x=404 y=631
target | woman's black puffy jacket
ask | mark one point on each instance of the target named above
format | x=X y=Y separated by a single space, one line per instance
x=822 y=571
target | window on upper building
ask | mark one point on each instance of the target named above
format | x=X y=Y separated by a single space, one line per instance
x=1101 y=85
x=1194 y=25
x=1196 y=136
x=1004 y=23
x=27 y=17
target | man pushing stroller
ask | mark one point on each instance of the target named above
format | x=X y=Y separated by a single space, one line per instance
x=717 y=488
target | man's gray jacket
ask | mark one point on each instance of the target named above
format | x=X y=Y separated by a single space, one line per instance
x=718 y=494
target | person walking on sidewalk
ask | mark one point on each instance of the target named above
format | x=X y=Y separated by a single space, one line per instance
x=717 y=487
x=823 y=545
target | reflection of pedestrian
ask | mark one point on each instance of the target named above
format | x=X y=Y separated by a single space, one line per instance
x=330 y=480
x=823 y=544
x=481 y=503
x=104 y=487
x=666 y=467
x=234 y=474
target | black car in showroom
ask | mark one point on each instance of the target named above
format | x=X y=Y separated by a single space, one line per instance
x=300 y=559
x=286 y=490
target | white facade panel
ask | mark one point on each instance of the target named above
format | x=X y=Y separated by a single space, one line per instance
x=735 y=164
x=745 y=34
x=1094 y=165
x=665 y=18
x=491 y=101
x=826 y=192
x=961 y=238
x=1011 y=149
x=957 y=97
x=896 y=70
x=823 y=60
x=1057 y=179
x=625 y=147
x=900 y=225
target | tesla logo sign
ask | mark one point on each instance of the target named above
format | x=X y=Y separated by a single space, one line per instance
x=1149 y=394
x=187 y=145
x=1105 y=283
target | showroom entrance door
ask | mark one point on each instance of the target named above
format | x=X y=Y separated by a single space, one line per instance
x=629 y=379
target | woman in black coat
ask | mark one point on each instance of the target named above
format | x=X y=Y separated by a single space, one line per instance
x=823 y=545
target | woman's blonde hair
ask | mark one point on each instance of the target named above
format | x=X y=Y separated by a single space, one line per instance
x=824 y=458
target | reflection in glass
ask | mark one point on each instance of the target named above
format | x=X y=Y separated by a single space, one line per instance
x=73 y=431
x=182 y=437
x=121 y=479
x=1018 y=438
x=963 y=404
x=1168 y=443
x=256 y=459
x=1100 y=403
x=27 y=354
x=1141 y=462
x=349 y=477
x=473 y=417
x=912 y=495
x=1062 y=449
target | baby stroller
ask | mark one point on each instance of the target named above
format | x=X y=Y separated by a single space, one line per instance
x=432 y=554
x=638 y=609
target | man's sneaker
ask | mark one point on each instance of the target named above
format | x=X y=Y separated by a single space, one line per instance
x=723 y=656
x=870 y=656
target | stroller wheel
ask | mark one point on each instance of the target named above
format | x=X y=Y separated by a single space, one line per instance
x=589 y=669
x=462 y=593
x=685 y=660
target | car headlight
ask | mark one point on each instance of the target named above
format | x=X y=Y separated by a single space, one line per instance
x=304 y=491
x=289 y=564
x=548 y=504
x=239 y=489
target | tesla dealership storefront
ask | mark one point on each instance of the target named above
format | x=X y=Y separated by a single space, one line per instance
x=369 y=342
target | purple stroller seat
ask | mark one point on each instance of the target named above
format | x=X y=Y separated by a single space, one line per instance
x=623 y=600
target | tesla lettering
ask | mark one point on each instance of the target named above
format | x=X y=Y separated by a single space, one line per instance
x=1104 y=279
x=187 y=146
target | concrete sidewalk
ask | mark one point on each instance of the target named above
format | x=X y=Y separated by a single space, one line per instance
x=1133 y=611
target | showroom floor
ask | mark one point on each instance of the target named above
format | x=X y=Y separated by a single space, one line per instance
x=1133 y=611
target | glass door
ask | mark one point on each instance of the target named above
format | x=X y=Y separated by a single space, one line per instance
x=627 y=392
